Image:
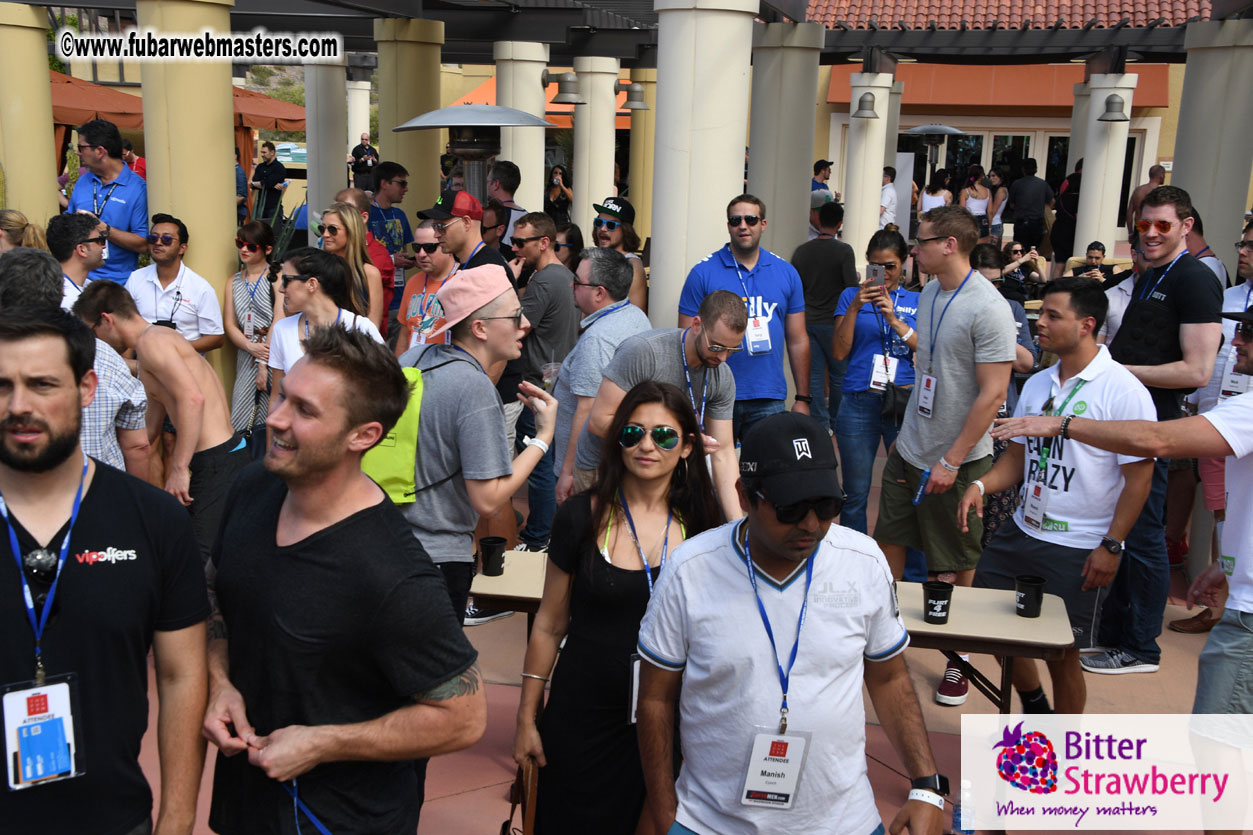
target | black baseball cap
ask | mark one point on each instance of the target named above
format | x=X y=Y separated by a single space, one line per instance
x=618 y=207
x=1245 y=317
x=453 y=204
x=821 y=164
x=791 y=456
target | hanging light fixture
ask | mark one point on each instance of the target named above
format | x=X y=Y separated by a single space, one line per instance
x=635 y=95
x=567 y=87
x=865 y=107
x=1113 y=109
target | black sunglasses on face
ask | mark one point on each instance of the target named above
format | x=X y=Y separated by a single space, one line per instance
x=401 y=183
x=664 y=437
x=1245 y=329
x=427 y=248
x=164 y=240
x=921 y=241
x=751 y=220
x=288 y=279
x=99 y=239
x=601 y=223
x=524 y=241
x=826 y=508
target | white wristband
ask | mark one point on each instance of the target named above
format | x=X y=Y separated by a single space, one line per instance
x=948 y=466
x=925 y=796
x=907 y=335
x=979 y=484
x=543 y=445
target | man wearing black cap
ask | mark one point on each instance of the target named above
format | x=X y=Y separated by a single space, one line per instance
x=822 y=176
x=613 y=227
x=725 y=619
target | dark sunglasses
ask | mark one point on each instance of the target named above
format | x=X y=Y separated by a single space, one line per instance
x=330 y=228
x=1016 y=252
x=288 y=279
x=164 y=240
x=664 y=437
x=601 y=223
x=99 y=239
x=524 y=241
x=1245 y=329
x=427 y=248
x=240 y=243
x=921 y=241
x=559 y=245
x=516 y=317
x=751 y=220
x=826 y=508
x=1163 y=226
x=401 y=183
x=41 y=567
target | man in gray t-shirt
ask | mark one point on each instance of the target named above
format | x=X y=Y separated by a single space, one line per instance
x=693 y=359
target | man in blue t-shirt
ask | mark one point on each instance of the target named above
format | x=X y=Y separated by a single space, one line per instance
x=116 y=195
x=390 y=227
x=772 y=292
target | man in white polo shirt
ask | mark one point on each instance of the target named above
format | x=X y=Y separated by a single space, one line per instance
x=1222 y=672
x=169 y=293
x=771 y=624
x=1078 y=501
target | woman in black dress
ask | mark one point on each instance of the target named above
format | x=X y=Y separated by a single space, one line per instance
x=653 y=492
x=558 y=197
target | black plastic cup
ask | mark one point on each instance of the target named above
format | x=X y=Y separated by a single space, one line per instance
x=937 y=599
x=1028 y=595
x=492 y=549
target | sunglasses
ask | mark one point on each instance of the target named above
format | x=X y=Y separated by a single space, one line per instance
x=164 y=240
x=601 y=223
x=751 y=220
x=99 y=239
x=524 y=241
x=921 y=241
x=516 y=317
x=401 y=183
x=440 y=227
x=288 y=279
x=427 y=248
x=826 y=508
x=720 y=349
x=242 y=244
x=1162 y=226
x=329 y=229
x=1016 y=252
x=560 y=245
x=1241 y=246
x=664 y=437
x=1245 y=329
x=41 y=567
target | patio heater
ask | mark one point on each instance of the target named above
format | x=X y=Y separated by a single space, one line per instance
x=469 y=138
x=933 y=136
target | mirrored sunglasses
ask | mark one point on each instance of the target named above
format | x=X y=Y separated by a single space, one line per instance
x=664 y=437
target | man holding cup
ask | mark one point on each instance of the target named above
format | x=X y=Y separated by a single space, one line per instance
x=1078 y=501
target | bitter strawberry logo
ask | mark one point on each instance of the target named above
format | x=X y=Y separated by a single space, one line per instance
x=778 y=749
x=1028 y=761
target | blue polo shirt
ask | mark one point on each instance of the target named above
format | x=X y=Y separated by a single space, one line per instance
x=872 y=333
x=772 y=290
x=123 y=204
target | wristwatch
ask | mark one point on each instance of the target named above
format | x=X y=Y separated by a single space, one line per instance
x=803 y=398
x=1112 y=545
x=937 y=783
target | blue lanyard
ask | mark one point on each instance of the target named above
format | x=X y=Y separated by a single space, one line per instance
x=704 y=390
x=935 y=326
x=609 y=311
x=1161 y=278
x=80 y=289
x=339 y=311
x=784 y=676
x=1248 y=293
x=743 y=286
x=40 y=622
x=473 y=253
x=96 y=207
x=665 y=543
x=252 y=291
x=299 y=806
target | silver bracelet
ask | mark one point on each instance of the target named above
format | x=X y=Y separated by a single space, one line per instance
x=537 y=678
x=948 y=466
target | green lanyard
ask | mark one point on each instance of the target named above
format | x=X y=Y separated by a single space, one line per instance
x=1042 y=466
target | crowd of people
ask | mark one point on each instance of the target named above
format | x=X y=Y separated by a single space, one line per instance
x=299 y=553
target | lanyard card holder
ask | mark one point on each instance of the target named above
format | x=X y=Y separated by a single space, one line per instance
x=776 y=760
x=42 y=736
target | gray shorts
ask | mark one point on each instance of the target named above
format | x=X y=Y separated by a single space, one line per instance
x=1011 y=552
x=1224 y=681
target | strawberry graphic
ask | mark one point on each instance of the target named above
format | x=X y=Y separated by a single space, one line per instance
x=1028 y=761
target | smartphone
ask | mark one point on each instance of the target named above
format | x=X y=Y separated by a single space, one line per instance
x=875 y=275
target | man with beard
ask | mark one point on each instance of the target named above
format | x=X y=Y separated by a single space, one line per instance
x=613 y=227
x=81 y=244
x=208 y=453
x=336 y=664
x=108 y=568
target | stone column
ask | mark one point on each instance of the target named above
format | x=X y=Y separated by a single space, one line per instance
x=27 y=146
x=1105 y=154
x=594 y=136
x=188 y=134
x=358 y=112
x=863 y=171
x=704 y=48
x=891 y=135
x=409 y=52
x=643 y=129
x=519 y=67
x=1078 y=126
x=326 y=125
x=1213 y=154
x=785 y=82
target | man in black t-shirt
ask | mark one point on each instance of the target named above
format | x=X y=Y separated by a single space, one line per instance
x=270 y=179
x=364 y=157
x=130 y=581
x=336 y=666
x=1169 y=339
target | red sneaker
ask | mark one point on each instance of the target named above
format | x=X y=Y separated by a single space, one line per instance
x=953 y=688
x=1177 y=551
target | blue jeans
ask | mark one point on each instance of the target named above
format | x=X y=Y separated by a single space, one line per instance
x=859 y=429
x=824 y=368
x=748 y=412
x=541 y=489
x=1132 y=617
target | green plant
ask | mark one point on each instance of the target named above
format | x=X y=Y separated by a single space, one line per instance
x=72 y=164
x=374 y=120
x=261 y=75
x=55 y=63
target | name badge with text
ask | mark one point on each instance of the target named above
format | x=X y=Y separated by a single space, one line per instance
x=774 y=768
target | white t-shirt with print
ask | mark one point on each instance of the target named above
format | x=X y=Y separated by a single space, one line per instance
x=1084 y=482
x=286 y=335
x=1233 y=418
x=703 y=619
x=1235 y=300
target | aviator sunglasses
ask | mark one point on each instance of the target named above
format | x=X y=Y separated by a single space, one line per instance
x=164 y=240
x=826 y=508
x=664 y=437
x=1163 y=226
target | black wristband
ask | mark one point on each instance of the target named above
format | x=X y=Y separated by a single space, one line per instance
x=804 y=398
x=1065 y=433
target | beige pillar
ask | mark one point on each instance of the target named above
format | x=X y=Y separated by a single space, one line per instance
x=188 y=134
x=27 y=152
x=863 y=172
x=358 y=112
x=326 y=125
x=704 y=48
x=594 y=136
x=1104 y=157
x=785 y=80
x=1213 y=154
x=643 y=129
x=1078 y=126
x=890 y=135
x=408 y=73
x=519 y=67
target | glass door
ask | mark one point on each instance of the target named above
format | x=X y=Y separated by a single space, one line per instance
x=1008 y=152
x=960 y=153
x=1055 y=160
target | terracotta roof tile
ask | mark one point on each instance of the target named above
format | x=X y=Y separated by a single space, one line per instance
x=982 y=14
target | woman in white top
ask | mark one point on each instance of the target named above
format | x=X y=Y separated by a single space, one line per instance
x=997 y=206
x=343 y=233
x=975 y=197
x=935 y=194
x=315 y=285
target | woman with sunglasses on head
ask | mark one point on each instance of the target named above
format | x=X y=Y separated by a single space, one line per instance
x=874 y=331
x=248 y=316
x=417 y=313
x=612 y=227
x=609 y=545
x=343 y=233
x=558 y=198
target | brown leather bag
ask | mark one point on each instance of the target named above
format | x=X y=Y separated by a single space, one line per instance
x=523 y=792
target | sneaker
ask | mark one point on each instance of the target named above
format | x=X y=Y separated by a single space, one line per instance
x=1116 y=662
x=527 y=546
x=477 y=617
x=954 y=688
